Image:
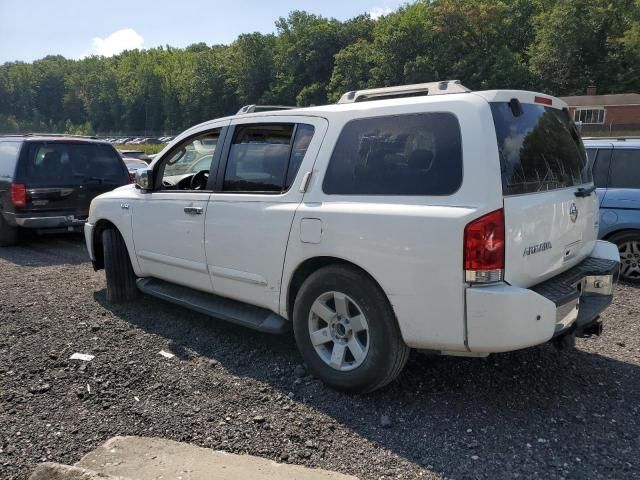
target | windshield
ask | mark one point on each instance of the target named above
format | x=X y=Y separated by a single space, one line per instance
x=540 y=149
x=51 y=164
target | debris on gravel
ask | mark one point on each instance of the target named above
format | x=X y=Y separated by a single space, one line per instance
x=451 y=417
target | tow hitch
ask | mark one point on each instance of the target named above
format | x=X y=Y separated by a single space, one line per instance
x=568 y=339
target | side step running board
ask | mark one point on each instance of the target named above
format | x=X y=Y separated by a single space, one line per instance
x=219 y=307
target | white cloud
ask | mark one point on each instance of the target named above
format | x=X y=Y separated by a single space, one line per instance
x=377 y=12
x=119 y=41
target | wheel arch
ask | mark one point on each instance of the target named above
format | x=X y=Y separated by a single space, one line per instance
x=313 y=264
x=609 y=235
x=96 y=241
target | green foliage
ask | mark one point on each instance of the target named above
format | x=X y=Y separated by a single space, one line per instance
x=556 y=46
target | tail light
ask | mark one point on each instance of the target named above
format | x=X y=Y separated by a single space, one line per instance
x=484 y=248
x=18 y=194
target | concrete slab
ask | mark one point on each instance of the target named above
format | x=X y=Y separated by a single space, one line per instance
x=140 y=458
x=56 y=471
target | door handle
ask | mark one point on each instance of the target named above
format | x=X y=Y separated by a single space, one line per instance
x=193 y=210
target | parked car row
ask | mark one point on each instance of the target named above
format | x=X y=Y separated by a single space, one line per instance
x=138 y=140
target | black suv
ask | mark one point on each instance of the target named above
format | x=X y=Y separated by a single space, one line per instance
x=47 y=182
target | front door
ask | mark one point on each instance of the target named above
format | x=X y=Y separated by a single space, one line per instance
x=168 y=222
x=257 y=193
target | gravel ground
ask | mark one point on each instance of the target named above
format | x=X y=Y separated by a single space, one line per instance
x=537 y=413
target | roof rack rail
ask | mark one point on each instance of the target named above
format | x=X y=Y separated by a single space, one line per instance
x=621 y=138
x=261 y=108
x=36 y=134
x=415 y=90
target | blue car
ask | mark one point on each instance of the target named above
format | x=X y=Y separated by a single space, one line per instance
x=616 y=174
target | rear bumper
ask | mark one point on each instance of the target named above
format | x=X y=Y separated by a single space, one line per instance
x=502 y=317
x=49 y=220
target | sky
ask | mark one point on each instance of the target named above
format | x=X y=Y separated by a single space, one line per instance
x=32 y=29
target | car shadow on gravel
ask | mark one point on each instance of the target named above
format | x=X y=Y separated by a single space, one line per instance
x=536 y=412
x=47 y=250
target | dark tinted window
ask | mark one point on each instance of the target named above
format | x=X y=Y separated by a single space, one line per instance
x=600 y=166
x=58 y=163
x=397 y=155
x=304 y=134
x=625 y=169
x=8 y=158
x=259 y=159
x=540 y=149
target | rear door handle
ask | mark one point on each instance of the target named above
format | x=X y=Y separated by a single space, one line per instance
x=193 y=210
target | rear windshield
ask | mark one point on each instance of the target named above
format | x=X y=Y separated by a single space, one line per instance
x=55 y=164
x=540 y=149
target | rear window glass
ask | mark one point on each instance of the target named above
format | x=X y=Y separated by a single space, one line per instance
x=57 y=163
x=8 y=158
x=540 y=149
x=625 y=169
x=417 y=154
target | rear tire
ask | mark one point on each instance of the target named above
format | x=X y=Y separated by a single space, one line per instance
x=9 y=235
x=629 y=247
x=352 y=308
x=121 y=281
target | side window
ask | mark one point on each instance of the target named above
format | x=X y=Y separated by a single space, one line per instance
x=304 y=134
x=266 y=157
x=600 y=166
x=188 y=159
x=625 y=169
x=416 y=154
x=8 y=158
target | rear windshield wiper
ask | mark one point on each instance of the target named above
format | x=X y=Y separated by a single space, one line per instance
x=584 y=192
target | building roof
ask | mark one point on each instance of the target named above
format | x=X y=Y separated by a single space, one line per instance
x=620 y=99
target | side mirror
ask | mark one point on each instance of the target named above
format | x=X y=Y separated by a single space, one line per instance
x=144 y=178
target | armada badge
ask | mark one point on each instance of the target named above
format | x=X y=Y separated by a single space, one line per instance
x=573 y=212
x=533 y=249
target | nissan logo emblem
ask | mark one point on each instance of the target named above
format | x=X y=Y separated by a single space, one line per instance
x=573 y=212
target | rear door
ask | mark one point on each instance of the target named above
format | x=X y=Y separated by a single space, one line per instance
x=543 y=164
x=258 y=192
x=63 y=177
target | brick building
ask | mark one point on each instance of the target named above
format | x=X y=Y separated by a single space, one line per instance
x=605 y=112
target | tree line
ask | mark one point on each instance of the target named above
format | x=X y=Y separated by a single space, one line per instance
x=555 y=46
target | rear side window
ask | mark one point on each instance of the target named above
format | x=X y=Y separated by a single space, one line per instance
x=599 y=158
x=625 y=169
x=416 y=154
x=8 y=158
x=266 y=157
x=540 y=149
x=61 y=163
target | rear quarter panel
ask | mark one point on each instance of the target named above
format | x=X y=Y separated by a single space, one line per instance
x=412 y=246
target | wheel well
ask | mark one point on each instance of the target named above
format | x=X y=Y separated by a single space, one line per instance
x=624 y=230
x=98 y=251
x=310 y=266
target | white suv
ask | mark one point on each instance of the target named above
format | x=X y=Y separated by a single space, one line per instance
x=426 y=216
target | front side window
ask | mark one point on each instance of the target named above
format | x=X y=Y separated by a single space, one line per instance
x=266 y=157
x=51 y=164
x=193 y=157
x=414 y=154
x=8 y=158
x=540 y=149
x=625 y=169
